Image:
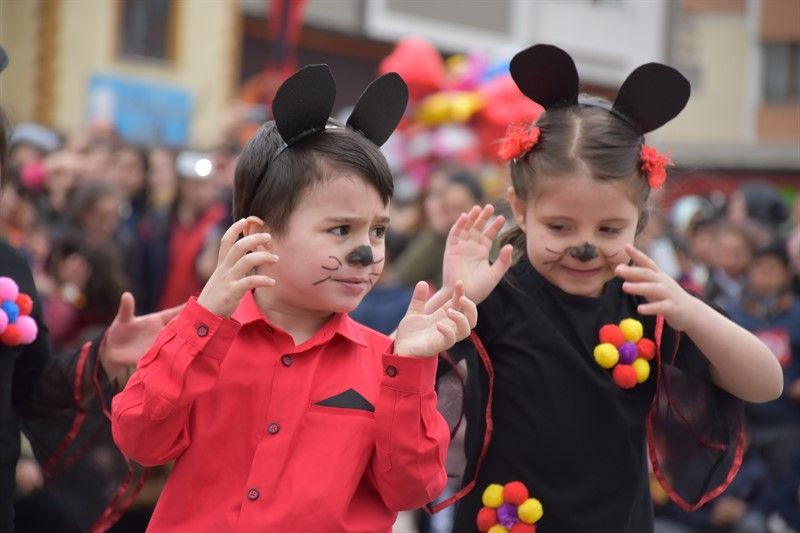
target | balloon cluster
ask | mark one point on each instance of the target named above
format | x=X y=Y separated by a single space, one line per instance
x=624 y=349
x=458 y=108
x=509 y=509
x=16 y=325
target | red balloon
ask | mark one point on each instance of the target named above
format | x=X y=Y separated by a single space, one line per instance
x=419 y=63
x=25 y=303
x=505 y=105
x=11 y=336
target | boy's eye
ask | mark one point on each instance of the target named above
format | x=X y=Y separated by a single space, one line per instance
x=340 y=230
x=379 y=231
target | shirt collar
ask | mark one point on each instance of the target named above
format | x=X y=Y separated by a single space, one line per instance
x=248 y=312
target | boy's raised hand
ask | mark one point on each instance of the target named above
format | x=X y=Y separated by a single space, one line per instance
x=425 y=333
x=232 y=278
x=466 y=255
x=664 y=295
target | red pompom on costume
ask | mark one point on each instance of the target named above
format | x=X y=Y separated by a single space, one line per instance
x=654 y=164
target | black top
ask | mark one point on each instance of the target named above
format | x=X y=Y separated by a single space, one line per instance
x=20 y=368
x=561 y=424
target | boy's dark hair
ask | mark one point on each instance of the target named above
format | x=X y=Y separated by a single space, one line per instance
x=581 y=139
x=270 y=186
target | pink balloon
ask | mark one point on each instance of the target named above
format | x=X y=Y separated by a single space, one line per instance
x=8 y=289
x=27 y=328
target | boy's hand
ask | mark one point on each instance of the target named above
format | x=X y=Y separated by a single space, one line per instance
x=664 y=295
x=466 y=255
x=426 y=333
x=129 y=337
x=231 y=279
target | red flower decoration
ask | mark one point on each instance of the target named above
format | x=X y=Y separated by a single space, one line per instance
x=518 y=140
x=654 y=165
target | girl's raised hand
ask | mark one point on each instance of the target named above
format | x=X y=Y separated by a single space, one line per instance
x=663 y=294
x=232 y=278
x=425 y=333
x=466 y=255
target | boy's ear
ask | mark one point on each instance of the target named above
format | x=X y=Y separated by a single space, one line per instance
x=517 y=208
x=253 y=224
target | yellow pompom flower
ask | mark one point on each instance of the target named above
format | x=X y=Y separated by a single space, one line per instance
x=497 y=529
x=606 y=355
x=632 y=329
x=642 y=369
x=493 y=496
x=530 y=511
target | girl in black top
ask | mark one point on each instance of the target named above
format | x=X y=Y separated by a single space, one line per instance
x=566 y=420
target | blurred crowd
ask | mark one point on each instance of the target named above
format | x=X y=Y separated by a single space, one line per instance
x=96 y=216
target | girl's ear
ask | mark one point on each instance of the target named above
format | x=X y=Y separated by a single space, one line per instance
x=517 y=208
x=253 y=225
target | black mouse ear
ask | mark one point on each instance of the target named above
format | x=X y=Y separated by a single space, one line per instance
x=652 y=95
x=547 y=75
x=304 y=103
x=380 y=108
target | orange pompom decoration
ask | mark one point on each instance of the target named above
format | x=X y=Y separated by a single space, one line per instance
x=624 y=376
x=487 y=517
x=522 y=527
x=515 y=492
x=612 y=334
x=646 y=348
x=24 y=303
x=11 y=336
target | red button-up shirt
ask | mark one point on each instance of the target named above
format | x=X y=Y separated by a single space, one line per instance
x=334 y=435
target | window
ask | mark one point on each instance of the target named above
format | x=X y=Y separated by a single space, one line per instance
x=146 y=29
x=782 y=73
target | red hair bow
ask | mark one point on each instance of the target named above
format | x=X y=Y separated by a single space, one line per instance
x=654 y=165
x=518 y=140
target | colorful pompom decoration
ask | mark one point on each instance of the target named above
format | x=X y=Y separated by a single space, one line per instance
x=16 y=326
x=508 y=509
x=625 y=351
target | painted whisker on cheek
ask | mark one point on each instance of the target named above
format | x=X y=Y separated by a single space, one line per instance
x=322 y=280
x=339 y=263
x=560 y=255
x=378 y=261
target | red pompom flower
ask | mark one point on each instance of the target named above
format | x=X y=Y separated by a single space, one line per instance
x=654 y=165
x=518 y=140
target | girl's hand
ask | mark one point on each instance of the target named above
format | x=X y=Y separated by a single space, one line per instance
x=232 y=278
x=129 y=337
x=663 y=294
x=466 y=255
x=426 y=333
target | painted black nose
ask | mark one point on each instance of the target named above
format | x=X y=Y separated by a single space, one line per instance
x=360 y=256
x=583 y=253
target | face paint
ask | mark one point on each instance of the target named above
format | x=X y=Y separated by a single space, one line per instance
x=360 y=256
x=583 y=253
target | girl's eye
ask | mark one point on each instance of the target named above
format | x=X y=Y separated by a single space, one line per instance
x=379 y=232
x=340 y=230
x=610 y=231
x=556 y=227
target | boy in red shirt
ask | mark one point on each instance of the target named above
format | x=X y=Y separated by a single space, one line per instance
x=282 y=413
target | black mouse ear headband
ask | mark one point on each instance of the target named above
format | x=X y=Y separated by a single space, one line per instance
x=303 y=104
x=652 y=95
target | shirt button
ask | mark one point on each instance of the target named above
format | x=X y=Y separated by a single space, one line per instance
x=252 y=494
x=202 y=330
x=287 y=360
x=391 y=371
x=273 y=428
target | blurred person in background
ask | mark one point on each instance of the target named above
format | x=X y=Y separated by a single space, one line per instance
x=770 y=310
x=162 y=180
x=58 y=401
x=731 y=249
x=30 y=143
x=61 y=177
x=173 y=239
x=450 y=192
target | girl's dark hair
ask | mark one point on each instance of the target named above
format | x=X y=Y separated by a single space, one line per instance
x=582 y=138
x=270 y=186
